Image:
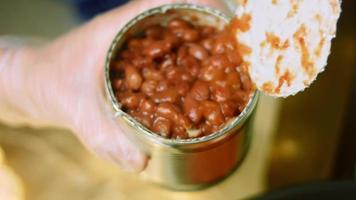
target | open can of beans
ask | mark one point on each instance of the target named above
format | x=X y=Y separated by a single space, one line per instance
x=176 y=161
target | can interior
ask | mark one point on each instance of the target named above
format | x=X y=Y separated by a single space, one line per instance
x=161 y=15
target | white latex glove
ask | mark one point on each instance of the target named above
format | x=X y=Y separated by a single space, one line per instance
x=61 y=84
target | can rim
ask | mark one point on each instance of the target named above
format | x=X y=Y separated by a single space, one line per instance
x=222 y=133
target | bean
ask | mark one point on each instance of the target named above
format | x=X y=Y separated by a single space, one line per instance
x=241 y=102
x=147 y=107
x=142 y=62
x=143 y=119
x=191 y=65
x=234 y=57
x=178 y=23
x=133 y=78
x=246 y=82
x=162 y=126
x=130 y=100
x=149 y=87
x=170 y=96
x=212 y=113
x=179 y=132
x=208 y=44
x=194 y=133
x=182 y=88
x=155 y=49
x=150 y=73
x=229 y=108
x=221 y=94
x=218 y=48
x=200 y=90
x=241 y=98
x=218 y=83
x=183 y=52
x=168 y=111
x=117 y=84
x=171 y=112
x=194 y=70
x=190 y=35
x=171 y=73
x=185 y=76
x=198 y=51
x=162 y=86
x=168 y=60
x=207 y=128
x=233 y=80
x=171 y=40
x=211 y=73
x=186 y=34
x=183 y=121
x=175 y=74
x=219 y=61
x=222 y=44
x=192 y=109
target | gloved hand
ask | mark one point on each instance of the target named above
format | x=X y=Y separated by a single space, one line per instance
x=61 y=83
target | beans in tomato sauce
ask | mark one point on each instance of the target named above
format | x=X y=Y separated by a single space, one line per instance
x=181 y=80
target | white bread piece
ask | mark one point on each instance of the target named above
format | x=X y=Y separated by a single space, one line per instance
x=289 y=41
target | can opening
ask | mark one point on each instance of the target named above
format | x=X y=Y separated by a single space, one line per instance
x=161 y=15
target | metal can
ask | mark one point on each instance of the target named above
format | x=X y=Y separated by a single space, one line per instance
x=182 y=164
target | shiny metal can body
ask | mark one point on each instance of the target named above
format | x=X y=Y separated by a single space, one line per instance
x=182 y=164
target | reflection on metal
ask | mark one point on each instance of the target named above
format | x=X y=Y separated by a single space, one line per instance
x=189 y=163
x=63 y=169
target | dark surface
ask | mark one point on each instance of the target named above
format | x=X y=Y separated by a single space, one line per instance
x=315 y=137
x=331 y=190
x=89 y=8
x=345 y=165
